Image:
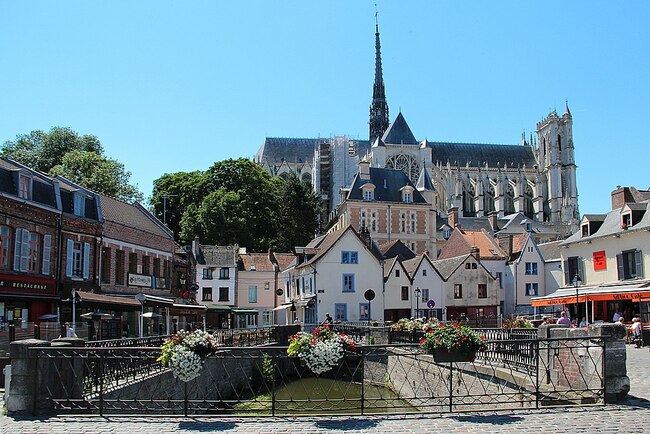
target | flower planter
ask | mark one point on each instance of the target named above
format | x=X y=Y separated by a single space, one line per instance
x=445 y=356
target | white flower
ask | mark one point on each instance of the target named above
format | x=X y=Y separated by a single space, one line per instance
x=186 y=364
x=323 y=356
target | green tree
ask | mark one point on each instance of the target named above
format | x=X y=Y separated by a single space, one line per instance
x=182 y=190
x=298 y=213
x=97 y=173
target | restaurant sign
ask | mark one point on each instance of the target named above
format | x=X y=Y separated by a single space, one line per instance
x=142 y=280
x=27 y=285
x=600 y=260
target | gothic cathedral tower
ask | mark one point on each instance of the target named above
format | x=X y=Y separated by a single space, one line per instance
x=556 y=157
x=379 y=107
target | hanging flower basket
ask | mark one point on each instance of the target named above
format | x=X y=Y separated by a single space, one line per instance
x=185 y=353
x=320 y=351
x=452 y=343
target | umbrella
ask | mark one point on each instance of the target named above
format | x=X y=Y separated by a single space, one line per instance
x=96 y=315
x=48 y=316
x=151 y=315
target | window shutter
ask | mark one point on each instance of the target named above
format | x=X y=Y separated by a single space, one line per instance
x=567 y=279
x=638 y=256
x=18 y=246
x=47 y=244
x=24 y=252
x=619 y=265
x=86 y=260
x=581 y=269
x=68 y=259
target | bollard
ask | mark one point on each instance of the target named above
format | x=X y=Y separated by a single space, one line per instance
x=37 y=331
x=12 y=332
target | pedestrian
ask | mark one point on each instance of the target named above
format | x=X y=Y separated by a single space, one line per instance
x=563 y=319
x=328 y=319
x=69 y=331
x=617 y=316
x=584 y=322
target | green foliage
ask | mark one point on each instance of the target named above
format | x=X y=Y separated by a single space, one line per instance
x=267 y=367
x=452 y=337
x=81 y=159
x=516 y=323
x=297 y=215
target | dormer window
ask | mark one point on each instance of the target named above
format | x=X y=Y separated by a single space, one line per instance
x=585 y=230
x=24 y=186
x=407 y=194
x=626 y=221
x=446 y=233
x=368 y=191
x=79 y=205
x=407 y=197
x=367 y=195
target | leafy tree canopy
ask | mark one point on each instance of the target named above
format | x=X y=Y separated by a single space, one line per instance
x=80 y=158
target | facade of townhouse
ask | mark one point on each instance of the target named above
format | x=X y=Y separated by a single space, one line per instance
x=471 y=291
x=30 y=214
x=398 y=293
x=606 y=262
x=427 y=287
x=216 y=277
x=257 y=288
x=335 y=273
x=526 y=266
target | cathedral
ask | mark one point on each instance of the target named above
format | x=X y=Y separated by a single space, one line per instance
x=536 y=177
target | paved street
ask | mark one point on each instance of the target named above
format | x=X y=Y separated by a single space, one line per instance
x=633 y=415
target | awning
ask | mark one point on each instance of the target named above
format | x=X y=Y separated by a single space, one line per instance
x=282 y=307
x=154 y=301
x=187 y=309
x=631 y=291
x=89 y=299
x=221 y=308
x=242 y=311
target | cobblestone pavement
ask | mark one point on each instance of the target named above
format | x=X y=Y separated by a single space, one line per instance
x=632 y=415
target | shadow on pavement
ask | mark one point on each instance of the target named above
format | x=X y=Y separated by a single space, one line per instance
x=633 y=401
x=491 y=419
x=206 y=426
x=347 y=424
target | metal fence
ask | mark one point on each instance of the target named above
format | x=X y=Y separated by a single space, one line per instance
x=396 y=378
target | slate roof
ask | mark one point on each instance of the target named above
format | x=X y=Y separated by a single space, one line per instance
x=512 y=224
x=396 y=248
x=424 y=181
x=388 y=183
x=389 y=266
x=296 y=149
x=133 y=216
x=478 y=155
x=612 y=225
x=220 y=256
x=399 y=133
x=446 y=267
x=550 y=251
x=43 y=190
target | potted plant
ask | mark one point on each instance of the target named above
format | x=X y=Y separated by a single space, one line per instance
x=321 y=350
x=452 y=342
x=184 y=352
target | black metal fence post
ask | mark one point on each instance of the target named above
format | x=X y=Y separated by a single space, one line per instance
x=274 y=359
x=37 y=331
x=100 y=378
x=185 y=404
x=451 y=386
x=12 y=332
x=363 y=380
x=537 y=373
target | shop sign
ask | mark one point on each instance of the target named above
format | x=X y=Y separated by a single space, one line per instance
x=600 y=260
x=140 y=280
x=26 y=285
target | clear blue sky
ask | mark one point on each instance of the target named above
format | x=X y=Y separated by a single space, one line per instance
x=172 y=86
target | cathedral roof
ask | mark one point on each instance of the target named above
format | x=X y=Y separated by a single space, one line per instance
x=399 y=133
x=424 y=181
x=296 y=149
x=475 y=154
x=388 y=183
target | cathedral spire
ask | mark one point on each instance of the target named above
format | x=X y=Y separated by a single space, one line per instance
x=379 y=107
x=566 y=108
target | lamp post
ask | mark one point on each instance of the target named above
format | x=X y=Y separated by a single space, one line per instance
x=576 y=284
x=293 y=310
x=418 y=291
x=74 y=310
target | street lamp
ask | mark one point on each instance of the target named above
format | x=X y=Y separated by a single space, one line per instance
x=576 y=284
x=418 y=291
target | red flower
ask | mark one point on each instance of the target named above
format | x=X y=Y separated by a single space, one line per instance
x=422 y=340
x=317 y=330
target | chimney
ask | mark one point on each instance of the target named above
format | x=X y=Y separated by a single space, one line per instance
x=476 y=252
x=621 y=196
x=493 y=220
x=452 y=217
x=364 y=233
x=364 y=169
x=510 y=240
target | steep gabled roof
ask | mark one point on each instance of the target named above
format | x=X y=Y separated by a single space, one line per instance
x=388 y=183
x=413 y=265
x=220 y=256
x=550 y=251
x=285 y=260
x=399 y=133
x=134 y=216
x=396 y=248
x=480 y=155
x=461 y=242
x=256 y=262
x=424 y=181
x=446 y=267
x=330 y=239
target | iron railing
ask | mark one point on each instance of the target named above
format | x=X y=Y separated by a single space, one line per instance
x=397 y=378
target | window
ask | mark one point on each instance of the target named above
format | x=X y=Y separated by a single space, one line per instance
x=166 y=274
x=119 y=267
x=267 y=285
x=31 y=252
x=5 y=246
x=207 y=294
x=207 y=273
x=531 y=268
x=267 y=318
x=405 y=293
x=146 y=260
x=156 y=267
x=252 y=294
x=223 y=293
x=573 y=267
x=341 y=312
x=585 y=230
x=474 y=266
x=364 y=311
x=349 y=257
x=34 y=251
x=363 y=219
x=630 y=264
x=79 y=205
x=133 y=262
x=402 y=222
x=373 y=222
x=424 y=272
x=224 y=273
x=626 y=221
x=468 y=266
x=446 y=233
x=531 y=289
x=425 y=294
x=407 y=198
x=413 y=223
x=25 y=187
x=397 y=273
x=458 y=290
x=367 y=195
x=106 y=265
x=77 y=260
x=348 y=283
x=482 y=290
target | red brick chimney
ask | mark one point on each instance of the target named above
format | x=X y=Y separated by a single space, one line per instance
x=493 y=216
x=621 y=196
x=452 y=217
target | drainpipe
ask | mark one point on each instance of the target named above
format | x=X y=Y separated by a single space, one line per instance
x=388 y=223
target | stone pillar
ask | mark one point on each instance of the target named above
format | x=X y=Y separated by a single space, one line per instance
x=21 y=397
